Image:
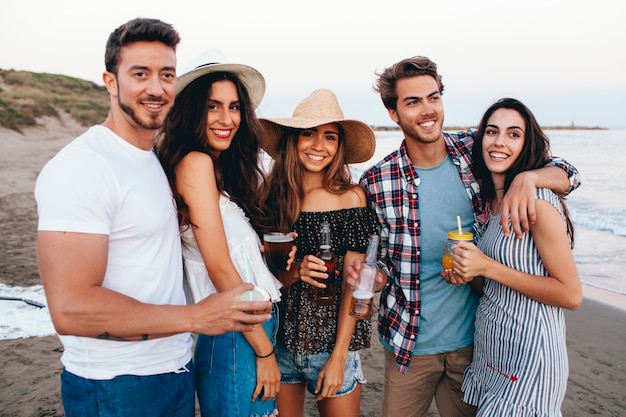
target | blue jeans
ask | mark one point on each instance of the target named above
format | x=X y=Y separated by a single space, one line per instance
x=226 y=375
x=163 y=395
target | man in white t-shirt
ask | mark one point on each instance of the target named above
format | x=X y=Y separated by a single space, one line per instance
x=109 y=248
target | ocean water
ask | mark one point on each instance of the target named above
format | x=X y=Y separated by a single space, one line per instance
x=597 y=208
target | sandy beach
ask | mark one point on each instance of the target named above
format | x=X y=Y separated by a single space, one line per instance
x=30 y=367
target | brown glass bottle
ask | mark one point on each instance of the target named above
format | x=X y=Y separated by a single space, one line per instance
x=326 y=296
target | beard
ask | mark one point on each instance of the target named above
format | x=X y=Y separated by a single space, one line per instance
x=153 y=121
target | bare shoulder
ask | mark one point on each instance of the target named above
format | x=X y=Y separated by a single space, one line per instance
x=195 y=171
x=354 y=197
x=193 y=162
x=546 y=209
x=196 y=158
x=549 y=221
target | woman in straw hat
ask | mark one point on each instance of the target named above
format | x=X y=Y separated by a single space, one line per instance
x=309 y=184
x=209 y=148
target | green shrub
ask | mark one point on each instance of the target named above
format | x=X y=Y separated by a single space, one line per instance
x=27 y=96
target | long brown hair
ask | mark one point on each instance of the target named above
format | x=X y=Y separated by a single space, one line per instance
x=237 y=169
x=285 y=180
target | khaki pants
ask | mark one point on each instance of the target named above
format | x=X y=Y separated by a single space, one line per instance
x=439 y=376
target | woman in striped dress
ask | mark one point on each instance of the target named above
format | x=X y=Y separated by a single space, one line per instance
x=520 y=365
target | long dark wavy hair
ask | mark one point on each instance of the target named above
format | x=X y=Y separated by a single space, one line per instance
x=535 y=154
x=237 y=169
x=285 y=179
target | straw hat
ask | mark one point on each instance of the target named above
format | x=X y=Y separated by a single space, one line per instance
x=320 y=108
x=213 y=60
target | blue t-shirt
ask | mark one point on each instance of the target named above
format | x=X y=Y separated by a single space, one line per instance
x=447 y=311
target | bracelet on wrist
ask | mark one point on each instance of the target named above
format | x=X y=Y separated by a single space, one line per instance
x=266 y=356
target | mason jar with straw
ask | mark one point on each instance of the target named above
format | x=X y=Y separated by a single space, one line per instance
x=454 y=237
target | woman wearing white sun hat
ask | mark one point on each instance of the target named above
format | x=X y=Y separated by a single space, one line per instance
x=209 y=149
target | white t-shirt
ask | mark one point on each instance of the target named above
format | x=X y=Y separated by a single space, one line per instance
x=101 y=184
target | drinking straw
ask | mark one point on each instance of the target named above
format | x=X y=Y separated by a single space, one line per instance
x=458 y=222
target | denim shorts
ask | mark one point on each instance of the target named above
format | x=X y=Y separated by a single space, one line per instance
x=296 y=368
x=162 y=395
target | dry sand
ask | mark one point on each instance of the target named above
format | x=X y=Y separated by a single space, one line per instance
x=30 y=368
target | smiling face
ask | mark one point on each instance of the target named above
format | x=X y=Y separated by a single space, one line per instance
x=318 y=146
x=419 y=111
x=224 y=116
x=503 y=142
x=142 y=90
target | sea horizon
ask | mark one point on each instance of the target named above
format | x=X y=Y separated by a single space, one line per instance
x=598 y=210
x=597 y=207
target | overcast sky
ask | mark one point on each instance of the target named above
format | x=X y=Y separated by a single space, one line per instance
x=566 y=59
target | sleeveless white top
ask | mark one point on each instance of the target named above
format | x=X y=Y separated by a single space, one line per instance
x=243 y=245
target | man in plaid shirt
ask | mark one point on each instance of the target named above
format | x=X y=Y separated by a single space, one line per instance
x=417 y=192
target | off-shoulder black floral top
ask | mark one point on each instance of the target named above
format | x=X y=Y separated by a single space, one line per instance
x=305 y=326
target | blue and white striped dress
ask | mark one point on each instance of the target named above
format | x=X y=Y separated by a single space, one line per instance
x=520 y=365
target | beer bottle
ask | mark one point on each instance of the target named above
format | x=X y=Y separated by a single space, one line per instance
x=326 y=296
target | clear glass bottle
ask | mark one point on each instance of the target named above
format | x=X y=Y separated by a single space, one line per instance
x=326 y=296
x=361 y=305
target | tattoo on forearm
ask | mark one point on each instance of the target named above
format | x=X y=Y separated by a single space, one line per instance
x=108 y=336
